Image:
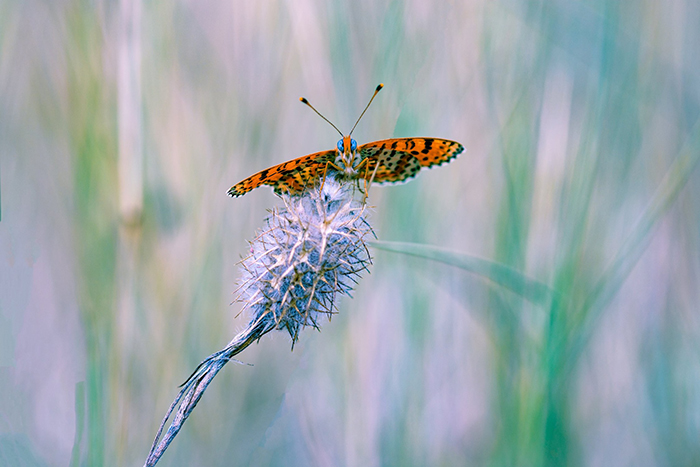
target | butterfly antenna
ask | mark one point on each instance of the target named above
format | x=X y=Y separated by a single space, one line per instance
x=376 y=91
x=304 y=101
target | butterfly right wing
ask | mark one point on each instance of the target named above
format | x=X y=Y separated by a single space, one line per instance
x=397 y=160
x=291 y=177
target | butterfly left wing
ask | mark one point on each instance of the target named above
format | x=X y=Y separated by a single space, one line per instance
x=399 y=159
x=290 y=177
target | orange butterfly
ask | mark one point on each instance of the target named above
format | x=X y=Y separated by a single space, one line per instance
x=387 y=161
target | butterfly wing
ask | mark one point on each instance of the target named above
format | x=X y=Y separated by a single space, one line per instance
x=399 y=159
x=290 y=177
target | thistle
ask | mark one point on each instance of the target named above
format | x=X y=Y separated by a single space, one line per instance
x=309 y=251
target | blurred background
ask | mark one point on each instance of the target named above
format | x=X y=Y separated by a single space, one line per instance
x=124 y=123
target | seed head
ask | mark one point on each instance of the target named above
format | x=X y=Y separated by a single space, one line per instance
x=309 y=251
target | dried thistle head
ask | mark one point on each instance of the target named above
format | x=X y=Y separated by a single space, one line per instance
x=309 y=251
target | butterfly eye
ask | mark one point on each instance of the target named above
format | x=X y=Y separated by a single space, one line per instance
x=353 y=145
x=340 y=145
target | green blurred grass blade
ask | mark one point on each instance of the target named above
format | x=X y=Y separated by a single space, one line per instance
x=79 y=423
x=530 y=289
x=631 y=251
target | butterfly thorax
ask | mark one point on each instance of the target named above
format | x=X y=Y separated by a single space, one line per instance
x=347 y=158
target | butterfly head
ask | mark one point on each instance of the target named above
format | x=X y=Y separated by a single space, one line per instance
x=346 y=150
x=347 y=157
x=346 y=147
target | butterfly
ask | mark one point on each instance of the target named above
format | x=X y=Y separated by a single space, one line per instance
x=387 y=161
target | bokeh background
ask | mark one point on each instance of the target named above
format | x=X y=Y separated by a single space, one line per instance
x=123 y=124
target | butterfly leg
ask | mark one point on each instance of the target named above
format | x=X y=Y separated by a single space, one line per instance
x=325 y=172
x=374 y=172
x=368 y=183
x=357 y=169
